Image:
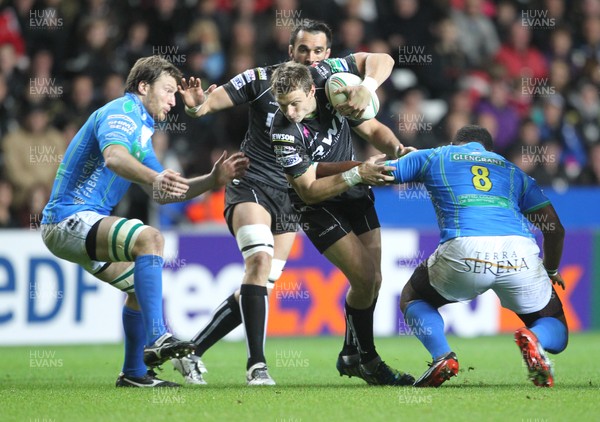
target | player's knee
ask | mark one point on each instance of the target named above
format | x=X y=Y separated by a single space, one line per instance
x=124 y=237
x=408 y=295
x=563 y=335
x=149 y=242
x=253 y=239
x=377 y=282
x=258 y=266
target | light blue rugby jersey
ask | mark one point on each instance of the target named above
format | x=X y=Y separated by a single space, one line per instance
x=474 y=192
x=83 y=182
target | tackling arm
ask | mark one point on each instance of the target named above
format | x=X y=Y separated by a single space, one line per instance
x=312 y=190
x=382 y=138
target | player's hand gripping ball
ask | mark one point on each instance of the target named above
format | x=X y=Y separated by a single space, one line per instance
x=338 y=80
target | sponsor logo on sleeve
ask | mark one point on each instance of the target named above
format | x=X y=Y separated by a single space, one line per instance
x=338 y=65
x=262 y=73
x=238 y=82
x=249 y=75
x=121 y=122
x=289 y=160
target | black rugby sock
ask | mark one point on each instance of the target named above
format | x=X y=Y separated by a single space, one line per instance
x=224 y=319
x=254 y=305
x=360 y=322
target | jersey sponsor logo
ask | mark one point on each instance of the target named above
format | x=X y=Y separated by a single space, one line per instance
x=249 y=75
x=289 y=160
x=321 y=70
x=121 y=122
x=262 y=73
x=238 y=81
x=477 y=159
x=282 y=137
x=471 y=200
x=284 y=149
x=338 y=65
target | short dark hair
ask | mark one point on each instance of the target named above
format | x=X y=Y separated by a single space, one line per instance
x=289 y=77
x=312 y=26
x=474 y=133
x=149 y=69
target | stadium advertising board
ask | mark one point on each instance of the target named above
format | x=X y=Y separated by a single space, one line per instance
x=44 y=300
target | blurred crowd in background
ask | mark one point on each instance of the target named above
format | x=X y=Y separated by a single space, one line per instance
x=529 y=71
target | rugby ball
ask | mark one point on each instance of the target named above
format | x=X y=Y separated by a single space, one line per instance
x=338 y=80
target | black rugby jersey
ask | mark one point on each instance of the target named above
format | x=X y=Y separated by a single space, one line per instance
x=254 y=87
x=324 y=138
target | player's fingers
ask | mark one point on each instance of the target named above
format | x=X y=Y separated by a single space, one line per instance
x=221 y=158
x=342 y=90
x=375 y=158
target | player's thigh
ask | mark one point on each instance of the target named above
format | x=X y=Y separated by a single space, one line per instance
x=249 y=213
x=524 y=291
x=69 y=239
x=455 y=271
x=352 y=258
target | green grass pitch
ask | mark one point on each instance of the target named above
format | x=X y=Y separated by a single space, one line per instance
x=76 y=383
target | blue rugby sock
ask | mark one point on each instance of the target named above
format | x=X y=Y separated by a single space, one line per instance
x=135 y=336
x=147 y=279
x=551 y=333
x=427 y=325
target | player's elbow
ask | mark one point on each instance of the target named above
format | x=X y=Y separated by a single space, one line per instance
x=111 y=159
x=387 y=60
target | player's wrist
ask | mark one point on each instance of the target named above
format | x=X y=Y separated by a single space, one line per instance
x=192 y=111
x=352 y=177
x=370 y=83
x=550 y=272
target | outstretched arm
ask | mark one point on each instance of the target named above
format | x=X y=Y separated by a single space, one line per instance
x=198 y=102
x=223 y=172
x=160 y=186
x=382 y=138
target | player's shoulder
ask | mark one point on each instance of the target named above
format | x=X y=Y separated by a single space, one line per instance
x=119 y=113
x=281 y=123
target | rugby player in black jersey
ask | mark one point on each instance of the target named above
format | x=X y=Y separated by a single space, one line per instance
x=337 y=212
x=256 y=205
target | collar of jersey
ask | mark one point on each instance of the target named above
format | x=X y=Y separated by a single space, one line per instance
x=143 y=113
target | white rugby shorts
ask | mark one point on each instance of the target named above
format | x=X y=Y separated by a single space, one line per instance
x=66 y=239
x=465 y=267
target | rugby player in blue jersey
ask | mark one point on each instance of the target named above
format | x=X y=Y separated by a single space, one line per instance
x=485 y=207
x=112 y=150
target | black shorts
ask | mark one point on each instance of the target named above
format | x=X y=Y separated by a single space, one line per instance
x=325 y=225
x=284 y=218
